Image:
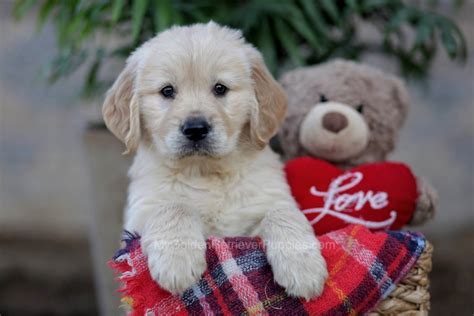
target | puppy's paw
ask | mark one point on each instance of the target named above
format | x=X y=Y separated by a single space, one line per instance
x=301 y=273
x=176 y=268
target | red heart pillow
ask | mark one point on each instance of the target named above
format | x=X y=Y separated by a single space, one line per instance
x=379 y=195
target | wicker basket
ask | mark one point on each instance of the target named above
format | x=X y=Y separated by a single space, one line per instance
x=411 y=296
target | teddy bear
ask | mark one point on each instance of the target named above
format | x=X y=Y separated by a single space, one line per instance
x=348 y=114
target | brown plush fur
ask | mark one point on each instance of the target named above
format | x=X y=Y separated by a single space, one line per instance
x=384 y=97
x=385 y=100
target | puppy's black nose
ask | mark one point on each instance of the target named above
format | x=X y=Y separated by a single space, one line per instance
x=195 y=128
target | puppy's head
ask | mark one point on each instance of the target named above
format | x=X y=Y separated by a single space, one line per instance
x=198 y=90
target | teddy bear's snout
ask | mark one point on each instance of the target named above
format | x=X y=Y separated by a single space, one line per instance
x=334 y=122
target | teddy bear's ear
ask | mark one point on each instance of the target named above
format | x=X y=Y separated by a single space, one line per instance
x=401 y=98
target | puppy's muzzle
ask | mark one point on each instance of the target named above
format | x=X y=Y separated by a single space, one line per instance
x=196 y=128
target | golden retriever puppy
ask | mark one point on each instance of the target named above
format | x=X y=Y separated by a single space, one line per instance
x=198 y=106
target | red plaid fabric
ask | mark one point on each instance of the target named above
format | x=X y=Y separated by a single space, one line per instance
x=364 y=268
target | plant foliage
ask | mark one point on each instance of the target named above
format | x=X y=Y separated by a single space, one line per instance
x=288 y=32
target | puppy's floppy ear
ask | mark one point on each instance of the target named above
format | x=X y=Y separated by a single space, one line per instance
x=270 y=111
x=120 y=109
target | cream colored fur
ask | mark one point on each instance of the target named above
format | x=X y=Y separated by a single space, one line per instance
x=347 y=143
x=238 y=189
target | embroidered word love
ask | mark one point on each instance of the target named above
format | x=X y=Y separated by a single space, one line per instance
x=379 y=195
x=336 y=202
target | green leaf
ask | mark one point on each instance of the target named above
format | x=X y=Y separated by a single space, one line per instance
x=299 y=23
x=277 y=27
x=199 y=17
x=288 y=41
x=138 y=13
x=424 y=31
x=162 y=14
x=447 y=26
x=122 y=51
x=117 y=8
x=63 y=26
x=22 y=7
x=178 y=18
x=370 y=5
x=449 y=43
x=65 y=63
x=44 y=12
x=91 y=81
x=315 y=16
x=267 y=46
x=353 y=5
x=399 y=18
x=76 y=23
x=332 y=10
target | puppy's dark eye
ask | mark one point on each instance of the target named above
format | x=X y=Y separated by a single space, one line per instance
x=167 y=92
x=323 y=98
x=220 y=89
x=360 y=108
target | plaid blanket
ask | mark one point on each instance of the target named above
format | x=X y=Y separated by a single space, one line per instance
x=364 y=267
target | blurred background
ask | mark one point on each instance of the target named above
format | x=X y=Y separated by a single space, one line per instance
x=62 y=175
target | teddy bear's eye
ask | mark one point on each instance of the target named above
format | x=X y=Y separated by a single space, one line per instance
x=323 y=98
x=360 y=108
